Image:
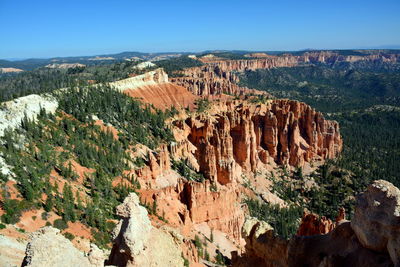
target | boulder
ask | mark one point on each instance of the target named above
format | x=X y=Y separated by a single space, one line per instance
x=376 y=219
x=48 y=247
x=132 y=231
x=263 y=247
x=337 y=248
x=138 y=243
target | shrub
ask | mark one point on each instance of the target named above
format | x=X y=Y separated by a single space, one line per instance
x=60 y=224
x=69 y=236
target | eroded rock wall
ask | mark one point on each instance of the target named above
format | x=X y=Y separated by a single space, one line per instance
x=239 y=137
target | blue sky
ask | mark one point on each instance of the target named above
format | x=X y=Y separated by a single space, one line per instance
x=37 y=28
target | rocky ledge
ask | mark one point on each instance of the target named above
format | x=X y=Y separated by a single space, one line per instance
x=370 y=239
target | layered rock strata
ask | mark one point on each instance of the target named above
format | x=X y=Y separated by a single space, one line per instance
x=217 y=76
x=211 y=80
x=155 y=77
x=288 y=60
x=242 y=137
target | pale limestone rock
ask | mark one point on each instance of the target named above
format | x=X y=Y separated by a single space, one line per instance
x=96 y=256
x=12 y=251
x=144 y=65
x=9 y=70
x=154 y=77
x=12 y=112
x=133 y=230
x=138 y=243
x=376 y=219
x=48 y=247
x=64 y=65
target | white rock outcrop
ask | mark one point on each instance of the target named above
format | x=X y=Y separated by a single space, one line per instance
x=144 y=65
x=9 y=70
x=49 y=248
x=132 y=232
x=64 y=65
x=12 y=112
x=376 y=219
x=138 y=243
x=149 y=78
x=12 y=251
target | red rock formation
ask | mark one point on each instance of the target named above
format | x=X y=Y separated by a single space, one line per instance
x=240 y=137
x=189 y=203
x=211 y=80
x=341 y=216
x=164 y=95
x=288 y=60
x=216 y=76
x=312 y=224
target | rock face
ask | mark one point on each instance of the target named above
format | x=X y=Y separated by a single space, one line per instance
x=190 y=203
x=288 y=60
x=65 y=66
x=138 y=243
x=144 y=65
x=48 y=247
x=163 y=96
x=12 y=251
x=211 y=80
x=217 y=76
x=221 y=210
x=10 y=70
x=376 y=220
x=155 y=77
x=370 y=239
x=340 y=247
x=132 y=232
x=263 y=247
x=312 y=224
x=12 y=112
x=242 y=137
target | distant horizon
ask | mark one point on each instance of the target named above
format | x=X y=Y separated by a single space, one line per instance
x=47 y=29
x=388 y=47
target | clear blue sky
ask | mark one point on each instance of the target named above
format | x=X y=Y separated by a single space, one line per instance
x=37 y=28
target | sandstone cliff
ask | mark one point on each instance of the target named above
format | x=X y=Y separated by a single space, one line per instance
x=230 y=140
x=217 y=76
x=163 y=96
x=211 y=80
x=155 y=77
x=263 y=247
x=240 y=137
x=287 y=60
